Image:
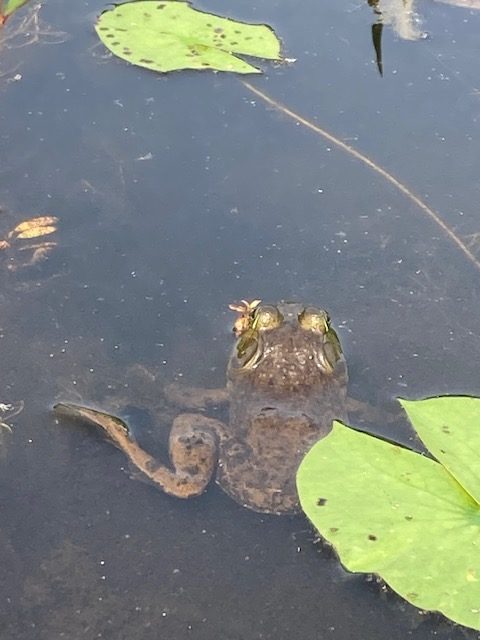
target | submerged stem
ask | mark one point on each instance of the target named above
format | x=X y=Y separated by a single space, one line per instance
x=433 y=215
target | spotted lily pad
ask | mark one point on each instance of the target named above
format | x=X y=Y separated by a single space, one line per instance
x=401 y=515
x=167 y=35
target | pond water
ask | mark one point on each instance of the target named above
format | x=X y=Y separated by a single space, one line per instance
x=177 y=195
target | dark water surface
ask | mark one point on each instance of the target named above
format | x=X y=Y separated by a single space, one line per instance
x=178 y=195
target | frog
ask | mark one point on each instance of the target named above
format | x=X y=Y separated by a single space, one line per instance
x=286 y=384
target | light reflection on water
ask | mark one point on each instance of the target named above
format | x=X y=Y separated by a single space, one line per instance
x=178 y=195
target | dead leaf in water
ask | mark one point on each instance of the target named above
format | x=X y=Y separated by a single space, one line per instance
x=27 y=230
x=40 y=252
x=34 y=227
x=245 y=308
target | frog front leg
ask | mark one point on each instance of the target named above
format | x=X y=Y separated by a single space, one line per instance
x=193 y=449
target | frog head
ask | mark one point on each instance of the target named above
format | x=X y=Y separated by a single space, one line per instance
x=285 y=345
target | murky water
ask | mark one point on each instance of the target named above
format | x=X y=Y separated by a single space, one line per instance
x=177 y=195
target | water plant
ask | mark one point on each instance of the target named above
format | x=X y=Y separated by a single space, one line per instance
x=168 y=35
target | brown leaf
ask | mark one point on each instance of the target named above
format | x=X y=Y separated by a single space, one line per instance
x=36 y=232
x=34 y=227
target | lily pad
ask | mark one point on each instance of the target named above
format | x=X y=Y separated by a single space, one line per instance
x=449 y=426
x=167 y=35
x=9 y=6
x=405 y=517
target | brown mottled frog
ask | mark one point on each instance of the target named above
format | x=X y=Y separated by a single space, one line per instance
x=286 y=383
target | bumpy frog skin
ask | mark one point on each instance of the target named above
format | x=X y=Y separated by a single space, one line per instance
x=286 y=383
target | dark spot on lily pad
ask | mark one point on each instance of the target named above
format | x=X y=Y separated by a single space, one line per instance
x=161 y=6
x=146 y=61
x=321 y=502
x=218 y=30
x=333 y=529
x=408 y=517
x=115 y=44
x=372 y=537
x=445 y=429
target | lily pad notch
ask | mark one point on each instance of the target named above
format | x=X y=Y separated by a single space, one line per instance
x=169 y=35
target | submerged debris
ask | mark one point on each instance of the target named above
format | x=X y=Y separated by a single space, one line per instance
x=27 y=230
x=8 y=411
x=245 y=309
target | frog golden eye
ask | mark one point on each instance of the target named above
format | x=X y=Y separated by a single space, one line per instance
x=267 y=317
x=332 y=348
x=249 y=349
x=313 y=319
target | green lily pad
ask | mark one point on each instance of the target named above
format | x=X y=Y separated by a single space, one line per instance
x=9 y=6
x=449 y=426
x=166 y=35
x=393 y=512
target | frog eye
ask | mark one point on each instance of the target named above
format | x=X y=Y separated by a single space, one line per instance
x=267 y=317
x=332 y=349
x=313 y=319
x=249 y=348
